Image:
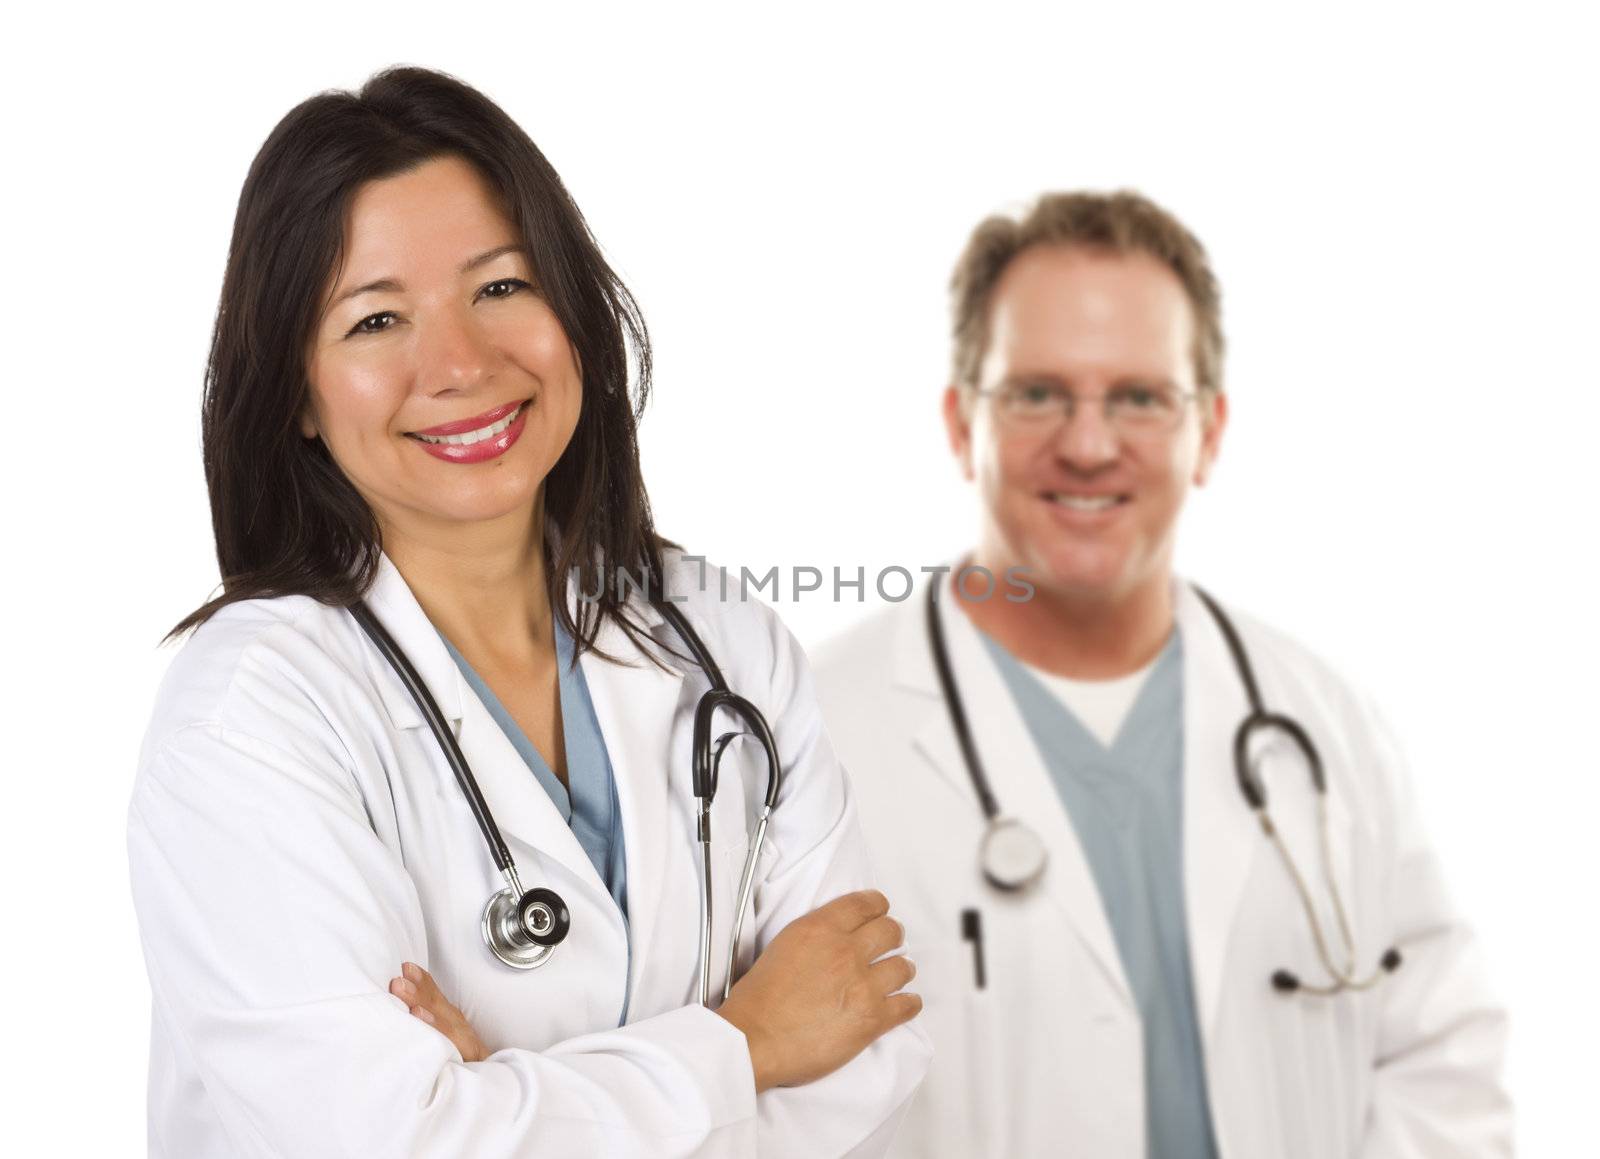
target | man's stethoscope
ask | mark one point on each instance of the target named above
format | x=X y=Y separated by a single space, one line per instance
x=521 y=926
x=1012 y=856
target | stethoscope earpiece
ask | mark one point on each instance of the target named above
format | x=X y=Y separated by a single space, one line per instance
x=706 y=761
x=1285 y=982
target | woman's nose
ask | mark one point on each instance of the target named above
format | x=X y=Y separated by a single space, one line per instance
x=454 y=352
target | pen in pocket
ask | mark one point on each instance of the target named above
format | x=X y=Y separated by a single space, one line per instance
x=972 y=931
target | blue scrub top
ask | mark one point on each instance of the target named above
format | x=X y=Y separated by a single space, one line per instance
x=1126 y=805
x=588 y=801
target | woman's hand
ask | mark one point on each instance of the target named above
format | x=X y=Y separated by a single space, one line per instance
x=415 y=987
x=817 y=997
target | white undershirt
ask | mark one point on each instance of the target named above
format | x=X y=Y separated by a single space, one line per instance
x=1101 y=705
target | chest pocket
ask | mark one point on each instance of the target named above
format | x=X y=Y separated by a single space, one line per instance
x=964 y=1095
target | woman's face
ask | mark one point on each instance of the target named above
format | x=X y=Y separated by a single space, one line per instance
x=440 y=381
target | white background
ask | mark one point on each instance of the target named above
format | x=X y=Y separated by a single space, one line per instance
x=1401 y=203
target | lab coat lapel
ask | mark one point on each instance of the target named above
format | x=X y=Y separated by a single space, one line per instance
x=934 y=737
x=521 y=806
x=522 y=809
x=391 y=601
x=1221 y=837
x=636 y=704
x=1020 y=782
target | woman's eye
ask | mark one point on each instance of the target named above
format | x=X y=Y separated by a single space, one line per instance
x=364 y=326
x=511 y=286
x=501 y=288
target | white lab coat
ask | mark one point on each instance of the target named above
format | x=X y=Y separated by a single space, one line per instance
x=295 y=834
x=1047 y=1059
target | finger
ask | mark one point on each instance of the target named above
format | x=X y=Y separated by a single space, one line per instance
x=893 y=973
x=901 y=1008
x=879 y=936
x=428 y=988
x=412 y=971
x=426 y=1015
x=854 y=910
x=403 y=990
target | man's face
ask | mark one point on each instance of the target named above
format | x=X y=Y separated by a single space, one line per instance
x=1089 y=507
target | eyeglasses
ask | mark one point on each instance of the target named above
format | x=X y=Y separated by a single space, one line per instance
x=1134 y=408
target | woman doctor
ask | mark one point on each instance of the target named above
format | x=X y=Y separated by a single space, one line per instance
x=418 y=397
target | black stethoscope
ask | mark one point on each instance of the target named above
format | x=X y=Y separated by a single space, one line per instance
x=1012 y=856
x=522 y=927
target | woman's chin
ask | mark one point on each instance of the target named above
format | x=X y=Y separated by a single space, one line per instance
x=479 y=507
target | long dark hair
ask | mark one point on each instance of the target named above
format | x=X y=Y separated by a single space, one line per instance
x=286 y=520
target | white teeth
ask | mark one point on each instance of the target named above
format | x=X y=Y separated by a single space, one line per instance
x=477 y=436
x=1086 y=502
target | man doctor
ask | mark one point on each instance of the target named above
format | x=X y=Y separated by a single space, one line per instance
x=1164 y=978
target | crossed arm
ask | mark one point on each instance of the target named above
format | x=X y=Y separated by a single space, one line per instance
x=820 y=993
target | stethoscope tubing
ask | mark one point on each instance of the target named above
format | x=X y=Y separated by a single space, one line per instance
x=707 y=760
x=440 y=728
x=1258 y=720
x=957 y=708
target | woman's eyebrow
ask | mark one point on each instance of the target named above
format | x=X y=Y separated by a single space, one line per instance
x=393 y=285
x=490 y=255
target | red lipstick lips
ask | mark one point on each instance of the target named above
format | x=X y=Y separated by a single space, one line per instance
x=485 y=446
x=487 y=418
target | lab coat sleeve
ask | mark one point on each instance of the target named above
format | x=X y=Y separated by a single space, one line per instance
x=1437 y=1087
x=273 y=918
x=822 y=855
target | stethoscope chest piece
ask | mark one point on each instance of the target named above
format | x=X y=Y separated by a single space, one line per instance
x=522 y=929
x=1012 y=856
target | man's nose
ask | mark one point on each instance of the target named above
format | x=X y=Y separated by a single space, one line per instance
x=1086 y=439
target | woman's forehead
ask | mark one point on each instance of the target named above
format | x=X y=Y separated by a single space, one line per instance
x=443 y=208
x=438 y=221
